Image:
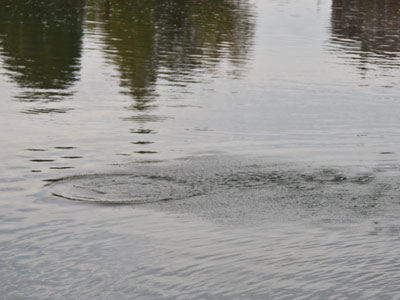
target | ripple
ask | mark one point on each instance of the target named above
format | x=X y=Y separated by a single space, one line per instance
x=142 y=143
x=36 y=111
x=35 y=149
x=65 y=147
x=42 y=160
x=61 y=168
x=146 y=152
x=144 y=118
x=142 y=131
x=121 y=189
x=236 y=190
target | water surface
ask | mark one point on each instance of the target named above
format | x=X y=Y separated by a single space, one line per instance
x=231 y=149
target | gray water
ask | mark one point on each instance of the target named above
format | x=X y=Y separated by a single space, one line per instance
x=231 y=149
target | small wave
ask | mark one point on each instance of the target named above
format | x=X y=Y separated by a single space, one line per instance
x=213 y=179
x=121 y=188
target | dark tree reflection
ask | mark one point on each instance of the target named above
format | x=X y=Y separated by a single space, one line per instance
x=369 y=29
x=41 y=45
x=172 y=40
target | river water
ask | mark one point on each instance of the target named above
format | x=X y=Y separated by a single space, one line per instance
x=230 y=149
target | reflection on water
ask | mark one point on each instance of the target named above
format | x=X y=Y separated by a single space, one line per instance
x=169 y=45
x=309 y=211
x=173 y=41
x=41 y=45
x=367 y=31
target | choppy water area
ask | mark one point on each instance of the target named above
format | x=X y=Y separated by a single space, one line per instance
x=173 y=149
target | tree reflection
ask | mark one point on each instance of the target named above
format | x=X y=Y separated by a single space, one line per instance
x=41 y=45
x=172 y=40
x=369 y=28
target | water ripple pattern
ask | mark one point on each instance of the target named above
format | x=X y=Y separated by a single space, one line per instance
x=199 y=149
x=237 y=189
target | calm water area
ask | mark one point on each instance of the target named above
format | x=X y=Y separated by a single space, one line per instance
x=211 y=149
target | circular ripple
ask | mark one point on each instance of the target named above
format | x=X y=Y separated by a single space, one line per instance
x=121 y=189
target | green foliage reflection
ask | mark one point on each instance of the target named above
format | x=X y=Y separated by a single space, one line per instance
x=172 y=40
x=41 y=44
x=369 y=27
